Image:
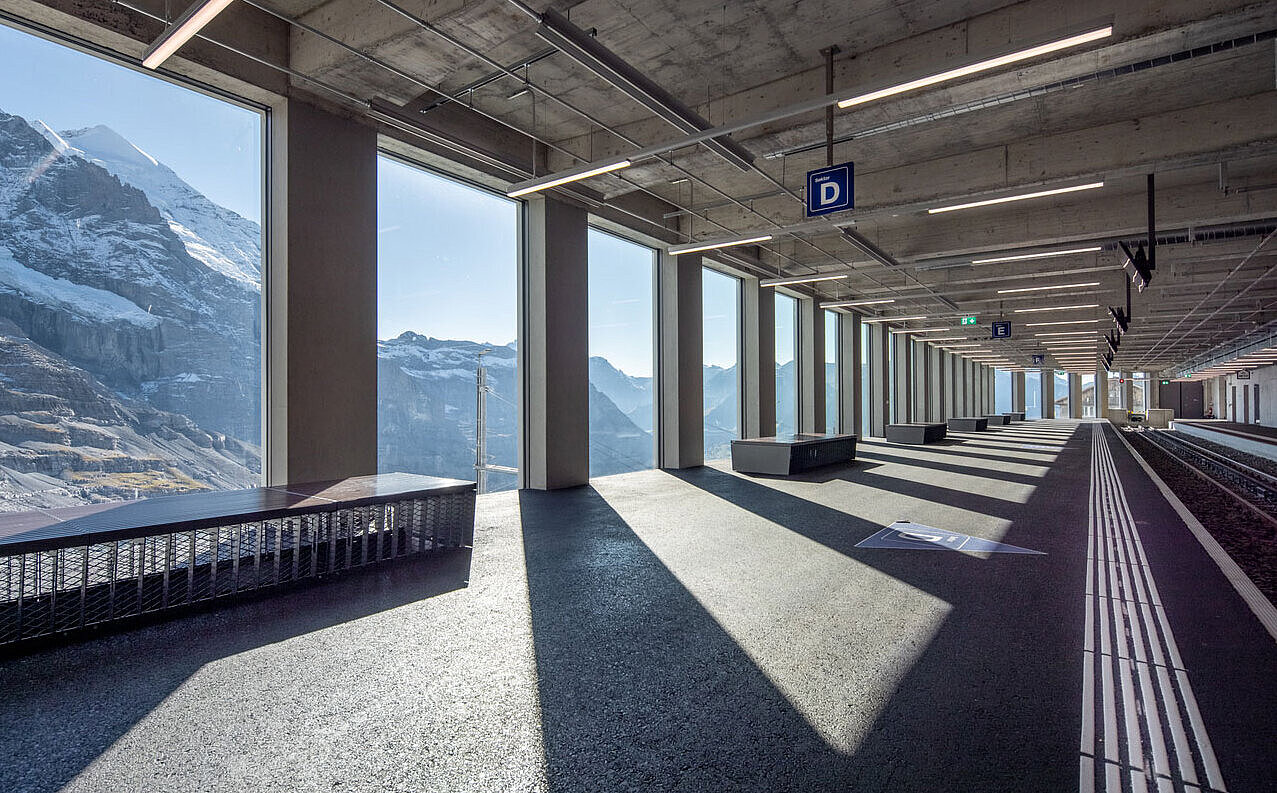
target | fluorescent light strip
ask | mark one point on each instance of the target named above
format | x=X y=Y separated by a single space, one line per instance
x=1061 y=322
x=850 y=303
x=921 y=330
x=1021 y=197
x=182 y=30
x=1026 y=256
x=799 y=279
x=572 y=177
x=1046 y=288
x=947 y=338
x=1055 y=308
x=695 y=247
x=878 y=320
x=1067 y=333
x=954 y=346
x=980 y=66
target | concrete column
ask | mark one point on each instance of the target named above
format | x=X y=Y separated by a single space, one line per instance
x=921 y=380
x=902 y=398
x=555 y=353
x=1018 y=384
x=1154 y=390
x=758 y=399
x=879 y=416
x=1048 y=393
x=849 y=363
x=1101 y=392
x=1075 y=396
x=811 y=366
x=322 y=293
x=956 y=383
x=680 y=331
x=986 y=388
x=1128 y=390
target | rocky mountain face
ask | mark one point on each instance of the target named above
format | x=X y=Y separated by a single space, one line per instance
x=114 y=320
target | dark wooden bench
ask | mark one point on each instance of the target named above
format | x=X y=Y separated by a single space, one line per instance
x=968 y=423
x=66 y=569
x=916 y=432
x=998 y=419
x=790 y=454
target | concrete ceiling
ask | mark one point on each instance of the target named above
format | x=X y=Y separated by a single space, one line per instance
x=1185 y=89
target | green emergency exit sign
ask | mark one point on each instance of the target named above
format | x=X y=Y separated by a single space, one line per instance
x=968 y=320
x=1166 y=382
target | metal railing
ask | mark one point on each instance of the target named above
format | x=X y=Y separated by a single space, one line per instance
x=47 y=592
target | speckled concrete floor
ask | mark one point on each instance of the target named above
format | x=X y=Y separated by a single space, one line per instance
x=693 y=630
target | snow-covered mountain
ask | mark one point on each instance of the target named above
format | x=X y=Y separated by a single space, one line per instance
x=216 y=236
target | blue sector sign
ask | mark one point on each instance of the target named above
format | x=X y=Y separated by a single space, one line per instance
x=1038 y=360
x=829 y=189
x=1002 y=330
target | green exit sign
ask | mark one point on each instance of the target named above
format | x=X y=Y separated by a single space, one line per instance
x=1166 y=382
x=968 y=320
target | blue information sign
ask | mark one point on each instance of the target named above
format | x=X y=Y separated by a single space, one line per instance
x=1038 y=360
x=829 y=189
x=1002 y=330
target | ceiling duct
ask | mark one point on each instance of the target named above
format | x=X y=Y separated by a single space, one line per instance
x=578 y=45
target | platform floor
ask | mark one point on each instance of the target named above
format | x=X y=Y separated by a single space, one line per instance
x=708 y=631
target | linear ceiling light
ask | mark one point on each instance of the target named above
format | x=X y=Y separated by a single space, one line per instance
x=537 y=185
x=1026 y=256
x=1021 y=197
x=1046 y=288
x=181 y=30
x=1061 y=322
x=876 y=320
x=799 y=279
x=1055 y=308
x=948 y=338
x=921 y=330
x=980 y=66
x=850 y=303
x=695 y=247
x=954 y=346
x=1067 y=333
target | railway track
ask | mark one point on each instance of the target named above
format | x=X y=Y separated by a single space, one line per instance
x=1251 y=487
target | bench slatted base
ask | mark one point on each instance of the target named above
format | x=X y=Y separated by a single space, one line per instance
x=63 y=570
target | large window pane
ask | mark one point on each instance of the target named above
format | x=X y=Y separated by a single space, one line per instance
x=720 y=295
x=831 y=372
x=621 y=405
x=130 y=282
x=1116 y=383
x=1061 y=395
x=1033 y=394
x=1001 y=391
x=1139 y=392
x=786 y=365
x=1088 y=396
x=447 y=274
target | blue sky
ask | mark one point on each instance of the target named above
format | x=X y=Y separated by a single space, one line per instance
x=213 y=145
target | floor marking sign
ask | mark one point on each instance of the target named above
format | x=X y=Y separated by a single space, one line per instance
x=906 y=535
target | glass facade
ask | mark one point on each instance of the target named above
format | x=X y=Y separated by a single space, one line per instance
x=1062 y=395
x=831 y=372
x=622 y=406
x=447 y=321
x=1033 y=394
x=131 y=273
x=1116 y=385
x=786 y=365
x=1001 y=391
x=1088 y=396
x=720 y=295
x=1139 y=392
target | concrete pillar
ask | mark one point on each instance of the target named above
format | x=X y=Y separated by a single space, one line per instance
x=322 y=293
x=811 y=366
x=1127 y=390
x=879 y=407
x=680 y=378
x=1018 y=384
x=902 y=397
x=921 y=380
x=1048 y=393
x=1101 y=392
x=758 y=399
x=1154 y=390
x=555 y=353
x=849 y=387
x=1075 y=396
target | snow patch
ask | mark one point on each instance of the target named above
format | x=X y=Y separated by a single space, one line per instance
x=93 y=304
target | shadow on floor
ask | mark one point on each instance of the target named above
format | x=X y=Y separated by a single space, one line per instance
x=935 y=465
x=106 y=684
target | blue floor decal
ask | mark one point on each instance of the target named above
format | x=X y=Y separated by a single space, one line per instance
x=914 y=536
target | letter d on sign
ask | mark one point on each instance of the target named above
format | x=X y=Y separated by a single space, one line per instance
x=829 y=193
